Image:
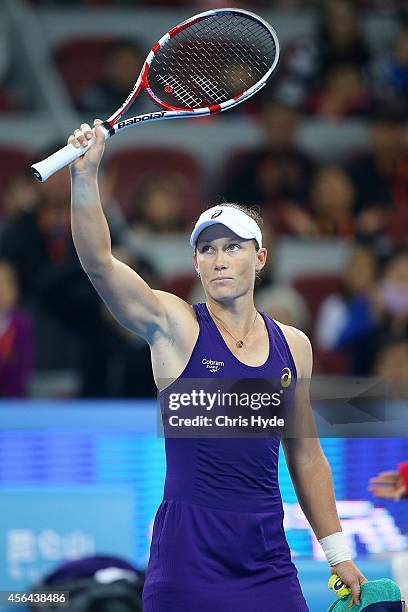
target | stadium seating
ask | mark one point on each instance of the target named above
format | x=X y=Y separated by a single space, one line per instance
x=129 y=167
x=80 y=52
x=396 y=229
x=315 y=288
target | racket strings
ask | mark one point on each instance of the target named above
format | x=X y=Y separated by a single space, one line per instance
x=212 y=61
x=185 y=96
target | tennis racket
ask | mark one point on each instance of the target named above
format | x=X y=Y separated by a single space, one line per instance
x=207 y=64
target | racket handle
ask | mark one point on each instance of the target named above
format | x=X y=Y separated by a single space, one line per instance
x=65 y=156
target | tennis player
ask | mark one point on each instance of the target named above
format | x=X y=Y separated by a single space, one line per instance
x=218 y=543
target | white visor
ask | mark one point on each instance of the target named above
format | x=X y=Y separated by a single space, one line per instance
x=237 y=221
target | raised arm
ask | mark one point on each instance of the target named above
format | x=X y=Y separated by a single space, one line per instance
x=131 y=301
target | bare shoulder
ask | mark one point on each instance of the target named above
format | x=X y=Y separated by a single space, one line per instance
x=300 y=347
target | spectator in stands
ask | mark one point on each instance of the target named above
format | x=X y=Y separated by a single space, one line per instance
x=345 y=320
x=22 y=194
x=40 y=236
x=36 y=235
x=330 y=208
x=343 y=94
x=380 y=176
x=16 y=342
x=371 y=317
x=161 y=204
x=390 y=70
x=18 y=194
x=338 y=40
x=121 y=67
x=278 y=171
x=111 y=361
x=332 y=202
x=391 y=305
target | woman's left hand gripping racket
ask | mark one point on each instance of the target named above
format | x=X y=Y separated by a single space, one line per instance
x=205 y=65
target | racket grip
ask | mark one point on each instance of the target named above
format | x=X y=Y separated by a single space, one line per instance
x=65 y=156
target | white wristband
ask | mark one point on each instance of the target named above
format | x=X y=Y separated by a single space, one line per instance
x=335 y=548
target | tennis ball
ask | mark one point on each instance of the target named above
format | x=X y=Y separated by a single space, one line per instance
x=337 y=585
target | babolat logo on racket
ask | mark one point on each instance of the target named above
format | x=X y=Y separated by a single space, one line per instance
x=216 y=214
x=134 y=120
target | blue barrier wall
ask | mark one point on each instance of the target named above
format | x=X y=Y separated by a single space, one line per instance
x=77 y=477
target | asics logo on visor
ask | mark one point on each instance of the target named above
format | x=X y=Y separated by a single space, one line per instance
x=216 y=214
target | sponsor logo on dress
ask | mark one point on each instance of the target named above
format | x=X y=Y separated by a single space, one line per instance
x=212 y=364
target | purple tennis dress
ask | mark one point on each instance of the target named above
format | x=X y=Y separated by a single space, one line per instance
x=218 y=543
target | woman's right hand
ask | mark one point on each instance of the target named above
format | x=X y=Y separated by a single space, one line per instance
x=89 y=162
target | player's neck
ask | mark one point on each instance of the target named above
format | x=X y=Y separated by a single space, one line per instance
x=238 y=314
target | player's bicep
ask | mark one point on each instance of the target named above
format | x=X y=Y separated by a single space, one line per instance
x=130 y=299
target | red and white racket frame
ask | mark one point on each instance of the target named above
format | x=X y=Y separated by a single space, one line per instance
x=65 y=156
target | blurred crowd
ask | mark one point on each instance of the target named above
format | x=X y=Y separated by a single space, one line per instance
x=359 y=324
x=284 y=5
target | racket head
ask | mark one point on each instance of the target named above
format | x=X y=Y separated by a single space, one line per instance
x=210 y=62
